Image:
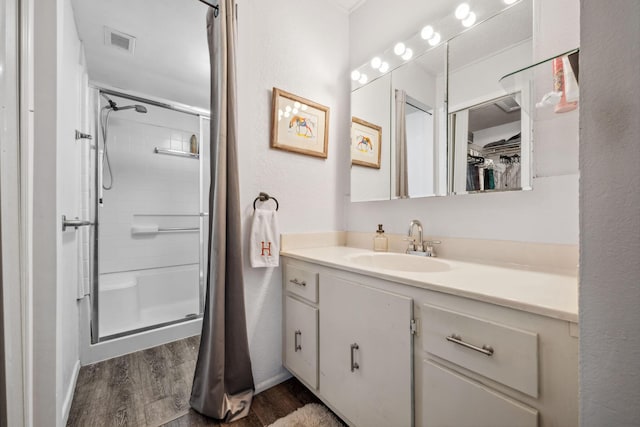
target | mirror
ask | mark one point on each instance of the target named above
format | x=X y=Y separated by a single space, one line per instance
x=408 y=105
x=490 y=128
x=442 y=92
x=371 y=104
x=418 y=122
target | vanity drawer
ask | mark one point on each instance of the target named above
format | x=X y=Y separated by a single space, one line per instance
x=501 y=353
x=462 y=402
x=302 y=282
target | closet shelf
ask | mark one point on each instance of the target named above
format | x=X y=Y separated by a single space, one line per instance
x=177 y=153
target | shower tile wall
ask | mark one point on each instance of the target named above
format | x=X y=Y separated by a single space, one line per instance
x=149 y=189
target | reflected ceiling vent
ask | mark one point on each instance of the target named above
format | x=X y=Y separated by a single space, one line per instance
x=119 y=40
x=508 y=104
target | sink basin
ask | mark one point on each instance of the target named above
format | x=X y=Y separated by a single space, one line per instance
x=400 y=262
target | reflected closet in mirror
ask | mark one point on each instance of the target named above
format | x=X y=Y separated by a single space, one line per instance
x=490 y=128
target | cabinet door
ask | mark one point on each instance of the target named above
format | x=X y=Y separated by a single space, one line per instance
x=366 y=350
x=453 y=400
x=301 y=341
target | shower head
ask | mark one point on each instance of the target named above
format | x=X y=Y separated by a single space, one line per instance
x=139 y=108
x=112 y=105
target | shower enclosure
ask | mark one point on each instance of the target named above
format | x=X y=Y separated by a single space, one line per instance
x=149 y=201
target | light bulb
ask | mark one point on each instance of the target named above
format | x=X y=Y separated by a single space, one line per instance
x=435 y=39
x=384 y=67
x=296 y=105
x=363 y=79
x=304 y=107
x=355 y=75
x=294 y=111
x=462 y=11
x=471 y=19
x=426 y=32
x=399 y=49
x=376 y=63
x=407 y=54
x=287 y=108
x=287 y=114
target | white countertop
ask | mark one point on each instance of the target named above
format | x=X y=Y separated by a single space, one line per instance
x=547 y=294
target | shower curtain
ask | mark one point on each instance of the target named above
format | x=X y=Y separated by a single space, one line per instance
x=223 y=383
x=402 y=174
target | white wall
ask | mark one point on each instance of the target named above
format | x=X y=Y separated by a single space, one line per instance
x=302 y=49
x=609 y=214
x=548 y=214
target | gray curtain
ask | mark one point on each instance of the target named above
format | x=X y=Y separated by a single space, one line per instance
x=402 y=175
x=223 y=384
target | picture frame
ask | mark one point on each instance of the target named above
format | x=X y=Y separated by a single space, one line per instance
x=366 y=143
x=299 y=125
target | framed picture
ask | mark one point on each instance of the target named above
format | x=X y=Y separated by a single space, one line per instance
x=366 y=139
x=299 y=125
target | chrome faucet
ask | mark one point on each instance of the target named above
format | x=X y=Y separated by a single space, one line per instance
x=415 y=246
x=420 y=247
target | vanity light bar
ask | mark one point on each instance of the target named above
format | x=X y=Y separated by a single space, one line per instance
x=405 y=51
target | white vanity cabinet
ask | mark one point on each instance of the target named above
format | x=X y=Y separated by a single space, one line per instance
x=496 y=351
x=483 y=365
x=399 y=354
x=366 y=353
x=300 y=326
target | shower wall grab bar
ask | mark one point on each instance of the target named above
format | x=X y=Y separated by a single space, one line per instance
x=154 y=229
x=178 y=229
x=177 y=153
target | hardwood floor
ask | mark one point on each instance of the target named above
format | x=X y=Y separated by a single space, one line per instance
x=152 y=388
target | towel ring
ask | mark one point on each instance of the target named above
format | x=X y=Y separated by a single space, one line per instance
x=263 y=197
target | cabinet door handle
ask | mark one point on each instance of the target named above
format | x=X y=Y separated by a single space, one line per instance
x=354 y=364
x=297 y=282
x=457 y=339
x=295 y=340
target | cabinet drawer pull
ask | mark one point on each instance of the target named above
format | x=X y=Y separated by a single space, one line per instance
x=457 y=339
x=295 y=340
x=297 y=282
x=354 y=364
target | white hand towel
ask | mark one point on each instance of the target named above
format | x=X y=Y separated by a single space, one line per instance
x=265 y=239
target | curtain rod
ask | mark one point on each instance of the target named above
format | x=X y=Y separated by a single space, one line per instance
x=215 y=8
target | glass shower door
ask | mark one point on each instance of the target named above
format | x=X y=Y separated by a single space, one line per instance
x=150 y=217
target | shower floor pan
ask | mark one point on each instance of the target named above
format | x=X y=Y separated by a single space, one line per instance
x=144 y=298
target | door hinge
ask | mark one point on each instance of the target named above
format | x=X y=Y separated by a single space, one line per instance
x=413 y=327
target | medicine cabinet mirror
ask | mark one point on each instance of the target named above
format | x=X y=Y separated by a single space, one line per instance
x=441 y=95
x=489 y=127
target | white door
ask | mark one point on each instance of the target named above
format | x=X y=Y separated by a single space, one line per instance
x=366 y=350
x=301 y=340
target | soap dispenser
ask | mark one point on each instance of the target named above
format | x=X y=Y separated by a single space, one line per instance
x=380 y=241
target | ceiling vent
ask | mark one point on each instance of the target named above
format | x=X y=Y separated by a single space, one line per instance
x=119 y=40
x=508 y=104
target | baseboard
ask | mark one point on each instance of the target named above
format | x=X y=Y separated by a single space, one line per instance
x=273 y=381
x=68 y=399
